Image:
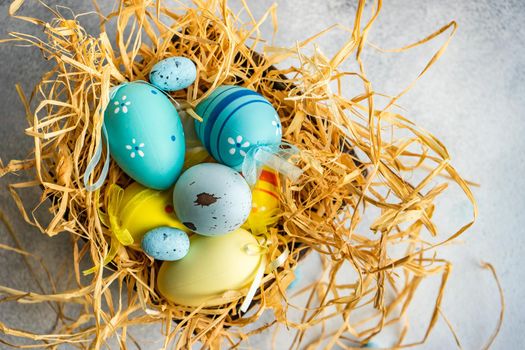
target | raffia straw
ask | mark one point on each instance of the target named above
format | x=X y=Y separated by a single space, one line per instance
x=322 y=212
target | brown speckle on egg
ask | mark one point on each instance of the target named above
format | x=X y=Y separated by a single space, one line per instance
x=205 y=199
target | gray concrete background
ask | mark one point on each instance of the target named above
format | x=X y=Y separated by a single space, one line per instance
x=473 y=100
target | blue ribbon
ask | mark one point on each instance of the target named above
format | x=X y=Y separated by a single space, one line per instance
x=98 y=151
x=273 y=156
x=94 y=162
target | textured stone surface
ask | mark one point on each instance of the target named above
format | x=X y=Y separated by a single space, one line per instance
x=473 y=100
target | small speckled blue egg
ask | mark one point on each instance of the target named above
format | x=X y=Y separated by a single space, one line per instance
x=174 y=73
x=212 y=199
x=145 y=135
x=236 y=119
x=166 y=243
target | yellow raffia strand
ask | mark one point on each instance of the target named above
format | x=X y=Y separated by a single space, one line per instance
x=326 y=112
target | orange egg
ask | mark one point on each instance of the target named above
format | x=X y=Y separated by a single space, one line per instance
x=213 y=267
x=265 y=201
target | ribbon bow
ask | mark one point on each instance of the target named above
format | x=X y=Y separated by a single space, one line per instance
x=262 y=249
x=114 y=205
x=273 y=156
x=120 y=236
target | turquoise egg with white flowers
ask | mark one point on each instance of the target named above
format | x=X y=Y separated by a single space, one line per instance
x=145 y=134
x=236 y=119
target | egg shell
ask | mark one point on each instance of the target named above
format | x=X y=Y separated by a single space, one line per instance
x=213 y=266
x=265 y=194
x=166 y=243
x=265 y=198
x=212 y=199
x=174 y=73
x=145 y=135
x=143 y=209
x=236 y=119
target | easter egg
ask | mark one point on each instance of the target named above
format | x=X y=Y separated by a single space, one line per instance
x=166 y=243
x=212 y=199
x=143 y=209
x=265 y=201
x=235 y=119
x=213 y=266
x=174 y=73
x=145 y=135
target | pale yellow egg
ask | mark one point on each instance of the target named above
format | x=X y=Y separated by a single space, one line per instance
x=214 y=266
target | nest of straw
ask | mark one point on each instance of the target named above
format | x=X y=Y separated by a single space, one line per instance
x=321 y=213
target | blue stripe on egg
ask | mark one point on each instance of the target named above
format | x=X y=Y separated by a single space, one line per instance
x=218 y=93
x=220 y=123
x=218 y=148
x=214 y=97
x=207 y=105
x=225 y=102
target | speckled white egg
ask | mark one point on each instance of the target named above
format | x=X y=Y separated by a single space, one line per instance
x=212 y=199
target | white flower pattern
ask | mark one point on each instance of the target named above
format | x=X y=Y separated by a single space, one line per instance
x=122 y=105
x=135 y=149
x=277 y=124
x=238 y=145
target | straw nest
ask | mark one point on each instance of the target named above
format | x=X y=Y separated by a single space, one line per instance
x=321 y=213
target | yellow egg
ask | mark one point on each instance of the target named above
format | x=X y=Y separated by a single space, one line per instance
x=143 y=209
x=214 y=265
x=265 y=201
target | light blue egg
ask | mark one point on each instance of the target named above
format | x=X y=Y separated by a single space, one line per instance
x=166 y=243
x=212 y=199
x=174 y=73
x=235 y=119
x=146 y=138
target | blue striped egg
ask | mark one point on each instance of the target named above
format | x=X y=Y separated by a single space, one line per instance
x=235 y=119
x=145 y=135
